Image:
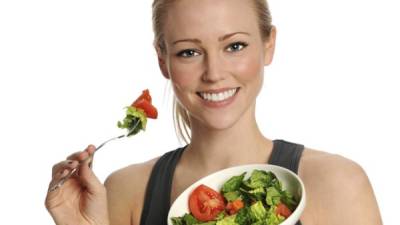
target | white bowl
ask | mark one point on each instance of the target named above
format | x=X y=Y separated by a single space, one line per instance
x=290 y=181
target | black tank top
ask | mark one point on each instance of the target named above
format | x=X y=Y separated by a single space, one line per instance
x=158 y=193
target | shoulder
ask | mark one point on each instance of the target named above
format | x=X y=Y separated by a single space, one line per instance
x=126 y=188
x=319 y=163
x=134 y=174
x=338 y=189
x=331 y=171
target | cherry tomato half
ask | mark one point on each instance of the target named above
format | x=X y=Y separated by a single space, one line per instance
x=149 y=109
x=283 y=210
x=234 y=206
x=145 y=95
x=205 y=203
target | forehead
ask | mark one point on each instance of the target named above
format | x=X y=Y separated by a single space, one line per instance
x=209 y=18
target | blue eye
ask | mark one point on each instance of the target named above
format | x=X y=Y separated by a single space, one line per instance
x=187 y=53
x=237 y=46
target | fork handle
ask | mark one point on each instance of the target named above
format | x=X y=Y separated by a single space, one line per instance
x=102 y=144
x=62 y=180
x=72 y=172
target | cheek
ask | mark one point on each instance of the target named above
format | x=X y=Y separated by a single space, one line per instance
x=183 y=76
x=249 y=68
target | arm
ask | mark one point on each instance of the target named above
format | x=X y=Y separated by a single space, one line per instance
x=125 y=193
x=118 y=200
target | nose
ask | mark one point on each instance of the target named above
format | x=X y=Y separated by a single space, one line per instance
x=213 y=71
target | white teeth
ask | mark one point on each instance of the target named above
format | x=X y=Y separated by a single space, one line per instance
x=216 y=97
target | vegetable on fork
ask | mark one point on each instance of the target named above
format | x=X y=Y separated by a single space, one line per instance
x=137 y=114
x=135 y=120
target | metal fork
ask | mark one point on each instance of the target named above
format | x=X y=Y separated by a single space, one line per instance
x=73 y=171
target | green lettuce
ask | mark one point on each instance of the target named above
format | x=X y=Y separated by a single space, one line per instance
x=258 y=210
x=259 y=178
x=233 y=184
x=135 y=120
x=229 y=220
x=273 y=196
x=232 y=196
x=273 y=218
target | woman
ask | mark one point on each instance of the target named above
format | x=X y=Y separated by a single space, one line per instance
x=214 y=53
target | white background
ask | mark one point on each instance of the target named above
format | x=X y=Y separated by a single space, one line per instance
x=67 y=69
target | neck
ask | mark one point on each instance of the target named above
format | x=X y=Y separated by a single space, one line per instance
x=242 y=143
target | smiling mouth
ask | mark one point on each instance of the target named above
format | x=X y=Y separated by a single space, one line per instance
x=218 y=96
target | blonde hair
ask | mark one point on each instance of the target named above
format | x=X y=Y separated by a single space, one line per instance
x=160 y=9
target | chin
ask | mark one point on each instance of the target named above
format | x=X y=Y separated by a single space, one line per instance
x=218 y=123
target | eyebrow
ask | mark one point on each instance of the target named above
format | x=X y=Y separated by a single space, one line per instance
x=195 y=40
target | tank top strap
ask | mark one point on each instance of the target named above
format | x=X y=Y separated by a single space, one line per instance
x=286 y=154
x=158 y=192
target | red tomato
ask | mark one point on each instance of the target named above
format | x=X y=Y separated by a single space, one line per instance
x=283 y=210
x=234 y=206
x=205 y=203
x=148 y=108
x=145 y=95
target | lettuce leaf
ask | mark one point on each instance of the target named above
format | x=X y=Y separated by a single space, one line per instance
x=229 y=220
x=135 y=120
x=273 y=218
x=259 y=178
x=232 y=196
x=258 y=210
x=233 y=184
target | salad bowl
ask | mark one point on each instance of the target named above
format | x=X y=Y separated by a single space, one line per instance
x=289 y=180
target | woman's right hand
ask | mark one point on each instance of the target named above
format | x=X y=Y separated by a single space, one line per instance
x=82 y=199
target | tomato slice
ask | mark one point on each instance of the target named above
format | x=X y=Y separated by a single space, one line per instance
x=283 y=210
x=205 y=203
x=148 y=108
x=145 y=95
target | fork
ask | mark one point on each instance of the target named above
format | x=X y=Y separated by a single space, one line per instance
x=73 y=171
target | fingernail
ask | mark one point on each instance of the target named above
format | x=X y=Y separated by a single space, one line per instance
x=64 y=172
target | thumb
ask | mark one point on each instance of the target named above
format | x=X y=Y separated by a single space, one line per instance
x=88 y=179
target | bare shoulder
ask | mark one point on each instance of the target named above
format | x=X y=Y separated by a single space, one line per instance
x=338 y=190
x=319 y=164
x=125 y=192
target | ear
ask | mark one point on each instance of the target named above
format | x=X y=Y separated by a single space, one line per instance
x=162 y=61
x=269 y=47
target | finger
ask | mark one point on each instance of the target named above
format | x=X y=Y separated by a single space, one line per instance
x=91 y=163
x=89 y=179
x=74 y=156
x=58 y=178
x=82 y=155
x=63 y=165
x=62 y=173
x=91 y=149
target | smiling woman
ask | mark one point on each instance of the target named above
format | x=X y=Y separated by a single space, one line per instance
x=229 y=58
x=216 y=64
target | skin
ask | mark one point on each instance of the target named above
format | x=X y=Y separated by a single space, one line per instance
x=338 y=190
x=82 y=199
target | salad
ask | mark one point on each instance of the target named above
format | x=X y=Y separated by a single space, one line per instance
x=137 y=114
x=257 y=200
